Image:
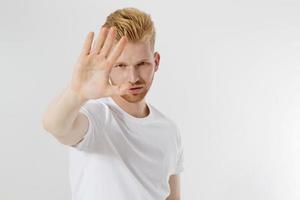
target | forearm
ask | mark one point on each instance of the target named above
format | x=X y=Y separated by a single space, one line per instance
x=62 y=111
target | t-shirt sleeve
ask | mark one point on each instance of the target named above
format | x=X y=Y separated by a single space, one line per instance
x=179 y=154
x=179 y=166
x=92 y=111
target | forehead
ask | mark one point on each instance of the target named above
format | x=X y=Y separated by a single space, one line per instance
x=134 y=51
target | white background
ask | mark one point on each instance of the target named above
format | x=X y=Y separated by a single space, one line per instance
x=229 y=76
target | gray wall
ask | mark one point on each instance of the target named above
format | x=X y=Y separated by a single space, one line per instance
x=229 y=76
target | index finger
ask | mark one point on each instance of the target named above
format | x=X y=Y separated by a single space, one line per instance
x=117 y=50
x=87 y=44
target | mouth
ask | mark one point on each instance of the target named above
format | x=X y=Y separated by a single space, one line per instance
x=135 y=90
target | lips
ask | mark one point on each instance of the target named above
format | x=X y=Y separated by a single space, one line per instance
x=135 y=90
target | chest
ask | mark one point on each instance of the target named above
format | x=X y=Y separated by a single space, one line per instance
x=147 y=149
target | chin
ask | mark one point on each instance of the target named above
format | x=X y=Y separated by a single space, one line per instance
x=134 y=98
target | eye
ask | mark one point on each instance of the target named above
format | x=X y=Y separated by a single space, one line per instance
x=120 y=65
x=142 y=63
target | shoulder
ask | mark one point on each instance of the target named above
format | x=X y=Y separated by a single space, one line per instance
x=95 y=105
x=95 y=110
x=162 y=117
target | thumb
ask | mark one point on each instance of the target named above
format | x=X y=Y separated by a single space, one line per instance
x=120 y=89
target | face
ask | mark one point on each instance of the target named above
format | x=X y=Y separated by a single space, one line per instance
x=136 y=65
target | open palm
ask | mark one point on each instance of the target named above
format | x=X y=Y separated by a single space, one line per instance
x=90 y=77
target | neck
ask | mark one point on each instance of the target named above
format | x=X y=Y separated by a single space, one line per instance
x=137 y=109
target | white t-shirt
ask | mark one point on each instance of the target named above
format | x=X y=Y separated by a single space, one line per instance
x=122 y=157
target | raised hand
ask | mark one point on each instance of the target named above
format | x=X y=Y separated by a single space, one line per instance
x=90 y=77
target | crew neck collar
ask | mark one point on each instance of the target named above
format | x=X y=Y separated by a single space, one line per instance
x=129 y=116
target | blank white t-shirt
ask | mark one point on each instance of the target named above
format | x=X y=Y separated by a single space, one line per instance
x=123 y=157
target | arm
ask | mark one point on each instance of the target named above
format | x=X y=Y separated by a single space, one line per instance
x=174 y=182
x=89 y=81
x=62 y=117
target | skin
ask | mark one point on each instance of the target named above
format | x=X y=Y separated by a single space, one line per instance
x=90 y=78
x=136 y=65
x=107 y=67
x=174 y=182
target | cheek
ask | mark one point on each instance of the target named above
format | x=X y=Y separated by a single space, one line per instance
x=116 y=76
x=147 y=74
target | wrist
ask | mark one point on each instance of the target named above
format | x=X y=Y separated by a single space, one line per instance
x=78 y=98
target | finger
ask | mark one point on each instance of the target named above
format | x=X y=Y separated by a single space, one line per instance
x=108 y=42
x=117 y=50
x=87 y=44
x=119 y=89
x=100 y=40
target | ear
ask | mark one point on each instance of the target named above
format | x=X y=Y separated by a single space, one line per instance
x=156 y=60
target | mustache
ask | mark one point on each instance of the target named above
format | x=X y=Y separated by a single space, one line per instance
x=137 y=84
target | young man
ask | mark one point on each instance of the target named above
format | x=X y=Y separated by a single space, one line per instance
x=121 y=148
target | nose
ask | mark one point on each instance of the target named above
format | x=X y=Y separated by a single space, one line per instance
x=133 y=75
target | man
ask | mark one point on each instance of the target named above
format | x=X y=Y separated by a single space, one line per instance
x=121 y=148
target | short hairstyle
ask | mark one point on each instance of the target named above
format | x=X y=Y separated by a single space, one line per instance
x=135 y=24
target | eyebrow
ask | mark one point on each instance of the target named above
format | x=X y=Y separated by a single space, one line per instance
x=142 y=60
